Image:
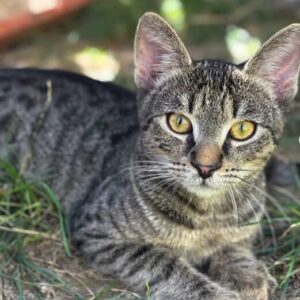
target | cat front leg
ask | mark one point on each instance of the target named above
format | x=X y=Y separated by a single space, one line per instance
x=237 y=268
x=143 y=267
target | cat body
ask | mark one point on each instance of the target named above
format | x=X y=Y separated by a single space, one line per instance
x=44 y=116
x=164 y=191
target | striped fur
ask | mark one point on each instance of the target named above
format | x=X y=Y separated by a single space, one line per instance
x=138 y=209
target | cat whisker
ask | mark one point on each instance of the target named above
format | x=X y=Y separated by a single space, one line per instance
x=241 y=170
x=258 y=219
x=145 y=179
x=234 y=205
x=269 y=220
x=268 y=196
x=287 y=193
x=167 y=183
x=255 y=213
x=157 y=162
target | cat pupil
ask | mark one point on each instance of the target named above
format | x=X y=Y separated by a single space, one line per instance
x=179 y=120
x=143 y=204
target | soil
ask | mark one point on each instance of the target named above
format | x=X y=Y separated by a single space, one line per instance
x=54 y=51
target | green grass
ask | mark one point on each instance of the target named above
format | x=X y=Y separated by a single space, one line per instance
x=284 y=252
x=288 y=261
x=30 y=213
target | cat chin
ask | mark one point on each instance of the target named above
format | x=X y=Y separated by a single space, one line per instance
x=205 y=190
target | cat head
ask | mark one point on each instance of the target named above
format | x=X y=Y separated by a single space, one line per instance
x=208 y=124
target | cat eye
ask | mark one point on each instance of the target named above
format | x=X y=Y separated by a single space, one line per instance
x=242 y=130
x=179 y=123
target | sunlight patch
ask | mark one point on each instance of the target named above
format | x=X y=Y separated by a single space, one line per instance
x=97 y=63
x=241 y=44
x=173 y=11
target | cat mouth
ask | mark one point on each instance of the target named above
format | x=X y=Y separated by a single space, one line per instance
x=204 y=186
x=204 y=183
x=209 y=186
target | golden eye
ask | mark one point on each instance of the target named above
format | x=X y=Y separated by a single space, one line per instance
x=179 y=123
x=243 y=130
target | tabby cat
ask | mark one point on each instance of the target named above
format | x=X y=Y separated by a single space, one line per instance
x=163 y=189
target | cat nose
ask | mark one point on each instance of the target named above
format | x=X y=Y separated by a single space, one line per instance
x=206 y=171
x=206 y=159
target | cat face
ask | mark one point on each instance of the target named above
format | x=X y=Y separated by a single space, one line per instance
x=208 y=126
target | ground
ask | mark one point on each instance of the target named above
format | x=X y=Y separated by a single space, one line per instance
x=40 y=268
x=38 y=265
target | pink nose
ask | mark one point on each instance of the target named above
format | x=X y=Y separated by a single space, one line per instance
x=206 y=159
x=206 y=171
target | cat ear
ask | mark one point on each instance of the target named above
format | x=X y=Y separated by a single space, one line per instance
x=277 y=63
x=158 y=50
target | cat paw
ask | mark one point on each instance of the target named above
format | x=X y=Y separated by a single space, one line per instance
x=258 y=286
x=271 y=281
x=251 y=283
x=227 y=295
x=220 y=293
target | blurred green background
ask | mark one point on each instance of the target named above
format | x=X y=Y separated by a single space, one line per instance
x=97 y=40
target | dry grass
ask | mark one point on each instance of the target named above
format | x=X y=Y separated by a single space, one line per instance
x=36 y=262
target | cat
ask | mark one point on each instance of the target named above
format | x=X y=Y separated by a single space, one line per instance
x=163 y=189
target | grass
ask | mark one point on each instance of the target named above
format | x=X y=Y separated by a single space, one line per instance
x=30 y=215
x=283 y=253
x=31 y=221
x=29 y=209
